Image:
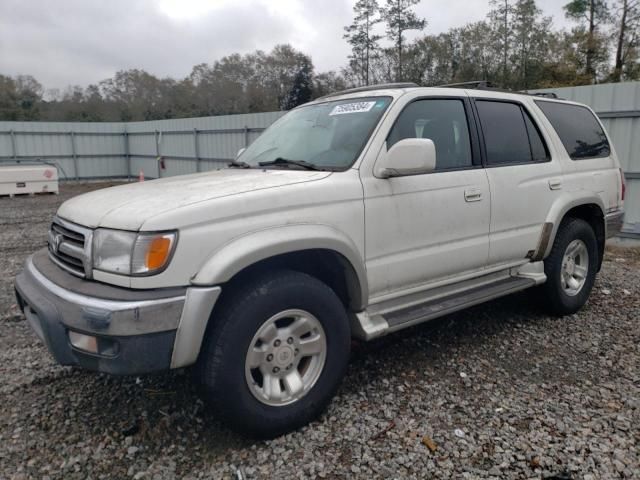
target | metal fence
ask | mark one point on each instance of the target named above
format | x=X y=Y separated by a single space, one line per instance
x=618 y=106
x=111 y=150
x=175 y=147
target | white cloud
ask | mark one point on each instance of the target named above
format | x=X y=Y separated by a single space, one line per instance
x=80 y=42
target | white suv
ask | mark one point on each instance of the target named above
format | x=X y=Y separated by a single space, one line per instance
x=355 y=215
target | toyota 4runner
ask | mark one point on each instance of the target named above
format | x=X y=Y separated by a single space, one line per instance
x=356 y=215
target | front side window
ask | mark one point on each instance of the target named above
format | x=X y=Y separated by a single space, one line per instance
x=578 y=129
x=325 y=136
x=509 y=134
x=442 y=121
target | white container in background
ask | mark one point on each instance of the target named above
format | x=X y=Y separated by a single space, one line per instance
x=20 y=179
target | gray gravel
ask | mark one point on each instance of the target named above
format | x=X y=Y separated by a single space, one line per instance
x=498 y=391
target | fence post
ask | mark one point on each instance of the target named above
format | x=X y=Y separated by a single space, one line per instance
x=246 y=136
x=127 y=155
x=14 y=152
x=196 y=151
x=157 y=136
x=72 y=136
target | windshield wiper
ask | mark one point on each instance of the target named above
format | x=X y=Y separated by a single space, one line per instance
x=286 y=161
x=237 y=164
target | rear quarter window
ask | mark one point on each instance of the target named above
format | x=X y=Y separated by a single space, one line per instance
x=578 y=129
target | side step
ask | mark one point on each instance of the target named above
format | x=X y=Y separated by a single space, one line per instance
x=436 y=308
x=368 y=326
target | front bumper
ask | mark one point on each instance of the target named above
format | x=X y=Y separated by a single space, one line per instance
x=136 y=331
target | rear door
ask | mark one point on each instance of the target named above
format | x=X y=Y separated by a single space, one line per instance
x=592 y=165
x=523 y=177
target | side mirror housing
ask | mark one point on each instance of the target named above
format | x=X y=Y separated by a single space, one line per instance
x=240 y=152
x=411 y=156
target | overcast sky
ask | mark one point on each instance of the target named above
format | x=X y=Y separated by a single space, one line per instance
x=63 y=42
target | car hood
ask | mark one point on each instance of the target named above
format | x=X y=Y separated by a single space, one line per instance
x=127 y=207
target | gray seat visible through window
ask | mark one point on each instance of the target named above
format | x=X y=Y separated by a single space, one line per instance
x=442 y=133
x=443 y=122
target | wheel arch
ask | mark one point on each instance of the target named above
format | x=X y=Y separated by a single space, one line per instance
x=590 y=209
x=318 y=250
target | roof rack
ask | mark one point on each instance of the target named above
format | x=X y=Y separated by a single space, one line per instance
x=368 y=88
x=473 y=85
x=486 y=85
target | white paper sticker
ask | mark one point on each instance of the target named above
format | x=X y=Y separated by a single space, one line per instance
x=357 y=107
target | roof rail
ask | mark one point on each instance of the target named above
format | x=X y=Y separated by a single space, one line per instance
x=544 y=94
x=486 y=85
x=367 y=88
x=475 y=84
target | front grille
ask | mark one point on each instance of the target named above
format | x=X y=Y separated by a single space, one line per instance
x=70 y=247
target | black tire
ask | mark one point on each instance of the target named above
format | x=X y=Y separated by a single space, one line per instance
x=555 y=299
x=221 y=366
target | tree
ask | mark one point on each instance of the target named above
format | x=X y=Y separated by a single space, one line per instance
x=531 y=45
x=399 y=17
x=301 y=90
x=590 y=15
x=628 y=26
x=29 y=92
x=20 y=98
x=432 y=60
x=137 y=94
x=364 y=43
x=326 y=83
x=9 y=109
x=479 y=59
x=502 y=32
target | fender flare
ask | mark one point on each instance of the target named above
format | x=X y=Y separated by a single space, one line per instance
x=560 y=208
x=243 y=251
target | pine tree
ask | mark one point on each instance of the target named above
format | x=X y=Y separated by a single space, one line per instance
x=627 y=40
x=530 y=41
x=590 y=14
x=500 y=18
x=364 y=43
x=399 y=17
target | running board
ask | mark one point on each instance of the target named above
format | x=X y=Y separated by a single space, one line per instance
x=368 y=326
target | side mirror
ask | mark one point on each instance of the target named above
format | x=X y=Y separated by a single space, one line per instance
x=411 y=156
x=240 y=152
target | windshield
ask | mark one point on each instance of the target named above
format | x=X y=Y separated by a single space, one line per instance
x=323 y=136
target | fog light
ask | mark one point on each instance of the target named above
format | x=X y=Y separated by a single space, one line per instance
x=83 y=342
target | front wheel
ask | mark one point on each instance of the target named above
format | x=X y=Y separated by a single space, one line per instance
x=275 y=353
x=571 y=267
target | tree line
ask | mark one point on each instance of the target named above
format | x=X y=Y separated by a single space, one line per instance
x=516 y=47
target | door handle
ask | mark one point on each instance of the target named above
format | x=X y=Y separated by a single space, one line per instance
x=473 y=195
x=555 y=183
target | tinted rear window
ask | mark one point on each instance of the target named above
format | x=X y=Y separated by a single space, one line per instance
x=578 y=128
x=505 y=132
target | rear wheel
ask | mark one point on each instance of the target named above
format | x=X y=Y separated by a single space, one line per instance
x=571 y=267
x=275 y=353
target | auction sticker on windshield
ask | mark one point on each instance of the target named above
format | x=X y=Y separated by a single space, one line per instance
x=357 y=107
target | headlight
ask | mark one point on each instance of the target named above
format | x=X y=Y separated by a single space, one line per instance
x=129 y=253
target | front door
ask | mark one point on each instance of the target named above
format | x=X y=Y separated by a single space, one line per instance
x=424 y=228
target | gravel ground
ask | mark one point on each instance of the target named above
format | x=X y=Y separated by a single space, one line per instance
x=498 y=391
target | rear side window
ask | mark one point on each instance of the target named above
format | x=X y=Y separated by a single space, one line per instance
x=509 y=134
x=579 y=130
